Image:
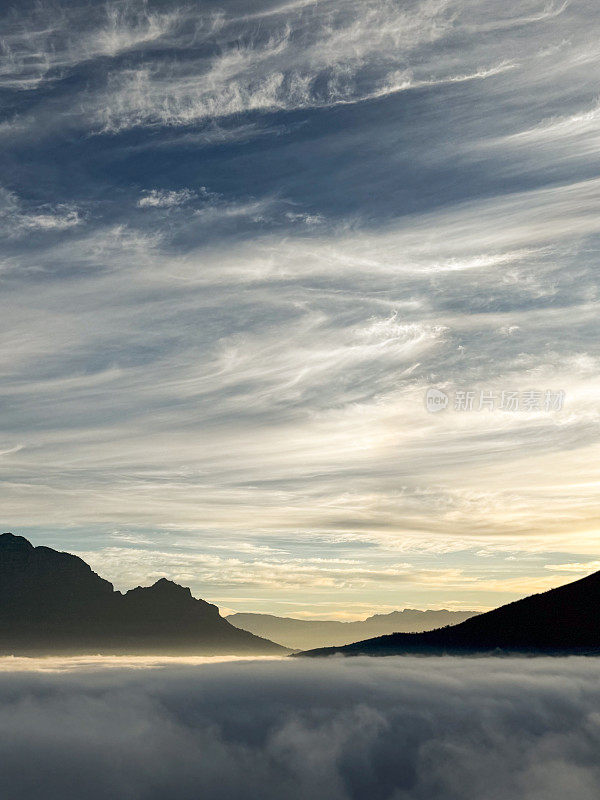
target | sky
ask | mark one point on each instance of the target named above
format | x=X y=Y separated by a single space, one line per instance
x=248 y=246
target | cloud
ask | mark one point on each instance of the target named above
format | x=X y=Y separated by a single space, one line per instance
x=189 y=66
x=414 y=729
x=158 y=199
x=301 y=62
x=267 y=570
x=577 y=567
x=49 y=41
x=16 y=222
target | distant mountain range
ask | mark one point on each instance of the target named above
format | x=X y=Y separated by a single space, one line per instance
x=300 y=634
x=563 y=621
x=52 y=603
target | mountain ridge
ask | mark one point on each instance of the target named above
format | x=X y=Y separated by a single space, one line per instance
x=54 y=603
x=302 y=634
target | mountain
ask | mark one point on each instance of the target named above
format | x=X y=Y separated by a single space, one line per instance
x=563 y=621
x=300 y=634
x=52 y=603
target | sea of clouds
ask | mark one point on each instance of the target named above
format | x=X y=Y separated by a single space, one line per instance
x=382 y=729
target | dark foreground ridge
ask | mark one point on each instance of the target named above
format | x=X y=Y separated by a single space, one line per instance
x=563 y=621
x=52 y=603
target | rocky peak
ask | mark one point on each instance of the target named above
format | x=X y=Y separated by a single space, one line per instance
x=8 y=541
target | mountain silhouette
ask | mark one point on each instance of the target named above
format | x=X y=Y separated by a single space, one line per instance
x=304 y=634
x=563 y=621
x=53 y=603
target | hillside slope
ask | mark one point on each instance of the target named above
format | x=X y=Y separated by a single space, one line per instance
x=561 y=621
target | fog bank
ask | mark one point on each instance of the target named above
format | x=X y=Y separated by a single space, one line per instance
x=401 y=728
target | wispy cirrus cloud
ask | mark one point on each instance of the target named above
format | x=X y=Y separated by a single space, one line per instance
x=160 y=199
x=240 y=248
x=16 y=221
x=47 y=41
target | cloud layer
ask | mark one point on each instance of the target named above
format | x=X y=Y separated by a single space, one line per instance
x=389 y=729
